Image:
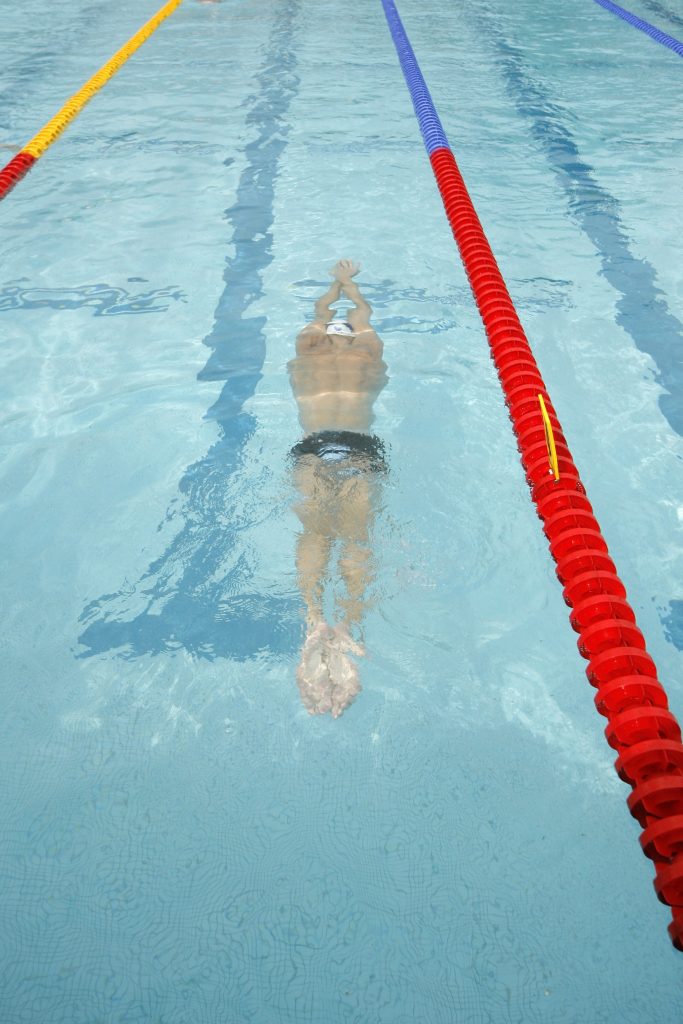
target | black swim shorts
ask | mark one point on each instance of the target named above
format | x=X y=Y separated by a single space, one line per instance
x=362 y=450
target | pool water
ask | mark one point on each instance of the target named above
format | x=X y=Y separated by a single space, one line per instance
x=182 y=842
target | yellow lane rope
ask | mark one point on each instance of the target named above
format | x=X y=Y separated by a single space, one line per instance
x=54 y=127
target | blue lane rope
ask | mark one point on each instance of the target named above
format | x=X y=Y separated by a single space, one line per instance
x=430 y=125
x=644 y=26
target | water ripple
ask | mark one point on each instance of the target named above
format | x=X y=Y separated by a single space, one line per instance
x=103 y=299
x=642 y=310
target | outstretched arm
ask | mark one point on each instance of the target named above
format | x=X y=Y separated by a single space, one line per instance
x=323 y=313
x=359 y=317
x=311 y=334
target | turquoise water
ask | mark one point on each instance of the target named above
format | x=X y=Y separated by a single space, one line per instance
x=182 y=843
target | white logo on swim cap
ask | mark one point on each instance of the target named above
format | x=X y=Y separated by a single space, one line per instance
x=342 y=327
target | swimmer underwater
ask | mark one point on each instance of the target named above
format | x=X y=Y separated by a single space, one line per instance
x=336 y=375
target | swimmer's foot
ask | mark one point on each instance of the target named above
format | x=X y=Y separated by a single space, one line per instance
x=343 y=671
x=313 y=674
x=345 y=682
x=328 y=679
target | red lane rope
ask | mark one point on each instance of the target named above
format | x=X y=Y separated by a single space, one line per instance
x=640 y=726
x=14 y=171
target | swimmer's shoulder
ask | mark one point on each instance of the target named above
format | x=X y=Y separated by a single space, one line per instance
x=310 y=336
x=368 y=340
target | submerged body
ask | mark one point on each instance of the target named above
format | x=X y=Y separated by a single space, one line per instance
x=336 y=379
x=336 y=375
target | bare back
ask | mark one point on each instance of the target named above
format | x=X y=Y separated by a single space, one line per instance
x=336 y=379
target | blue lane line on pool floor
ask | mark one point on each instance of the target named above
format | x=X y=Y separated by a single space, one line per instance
x=195 y=593
x=644 y=26
x=641 y=308
x=663 y=12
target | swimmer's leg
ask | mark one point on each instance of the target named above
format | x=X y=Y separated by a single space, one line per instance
x=312 y=674
x=314 y=543
x=328 y=679
x=356 y=568
x=312 y=558
x=313 y=549
x=356 y=558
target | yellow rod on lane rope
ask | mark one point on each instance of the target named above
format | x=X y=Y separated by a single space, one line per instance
x=549 y=439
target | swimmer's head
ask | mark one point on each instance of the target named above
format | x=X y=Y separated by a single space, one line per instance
x=340 y=327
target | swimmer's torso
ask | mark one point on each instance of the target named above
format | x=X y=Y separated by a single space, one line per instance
x=335 y=380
